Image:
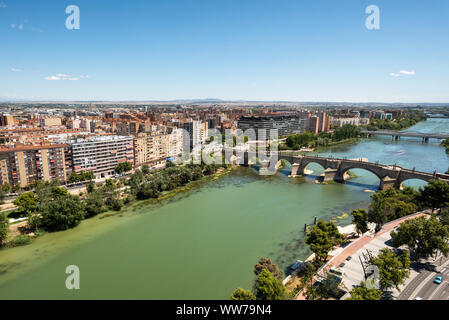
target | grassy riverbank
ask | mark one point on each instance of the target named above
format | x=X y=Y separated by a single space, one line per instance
x=20 y=235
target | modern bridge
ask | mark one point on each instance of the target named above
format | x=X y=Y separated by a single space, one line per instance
x=396 y=134
x=390 y=176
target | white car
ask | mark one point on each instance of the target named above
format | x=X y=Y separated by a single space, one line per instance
x=418 y=298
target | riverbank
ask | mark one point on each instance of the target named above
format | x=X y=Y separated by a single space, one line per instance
x=17 y=238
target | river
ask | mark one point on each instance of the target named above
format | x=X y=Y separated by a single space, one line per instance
x=203 y=243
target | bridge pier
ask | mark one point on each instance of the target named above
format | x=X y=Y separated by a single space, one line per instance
x=387 y=183
x=295 y=168
x=331 y=175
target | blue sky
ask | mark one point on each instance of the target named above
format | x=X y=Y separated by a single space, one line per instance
x=297 y=50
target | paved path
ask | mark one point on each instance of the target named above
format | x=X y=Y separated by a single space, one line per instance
x=360 y=243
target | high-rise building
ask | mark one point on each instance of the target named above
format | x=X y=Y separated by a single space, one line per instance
x=193 y=128
x=7 y=120
x=101 y=154
x=152 y=150
x=26 y=164
x=286 y=125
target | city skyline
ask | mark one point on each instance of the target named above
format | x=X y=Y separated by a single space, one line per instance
x=252 y=51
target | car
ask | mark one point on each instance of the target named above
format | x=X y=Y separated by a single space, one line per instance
x=341 y=265
x=438 y=280
x=348 y=258
x=418 y=298
x=296 y=265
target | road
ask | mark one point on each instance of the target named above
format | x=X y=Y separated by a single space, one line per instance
x=433 y=291
x=422 y=285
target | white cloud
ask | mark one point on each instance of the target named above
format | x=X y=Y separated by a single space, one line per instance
x=52 y=78
x=16 y=70
x=19 y=26
x=402 y=72
x=61 y=76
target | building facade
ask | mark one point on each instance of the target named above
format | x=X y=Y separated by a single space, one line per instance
x=101 y=154
x=26 y=164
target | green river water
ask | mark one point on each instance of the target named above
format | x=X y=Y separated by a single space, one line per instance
x=203 y=243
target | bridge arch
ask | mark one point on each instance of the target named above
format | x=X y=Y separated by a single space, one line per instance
x=415 y=183
x=306 y=170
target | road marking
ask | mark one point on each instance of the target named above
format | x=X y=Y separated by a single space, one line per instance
x=435 y=291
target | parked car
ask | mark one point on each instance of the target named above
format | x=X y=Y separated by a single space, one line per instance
x=296 y=265
x=418 y=298
x=438 y=280
x=348 y=258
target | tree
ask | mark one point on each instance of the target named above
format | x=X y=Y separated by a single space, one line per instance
x=435 y=194
x=4 y=228
x=390 y=204
x=94 y=204
x=444 y=217
x=123 y=167
x=58 y=192
x=61 y=214
x=362 y=292
x=147 y=190
x=267 y=264
x=242 y=294
x=393 y=269
x=267 y=287
x=322 y=238
x=422 y=236
x=6 y=187
x=145 y=169
x=90 y=187
x=360 y=219
x=27 y=203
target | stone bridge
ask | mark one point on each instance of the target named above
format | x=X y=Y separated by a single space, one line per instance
x=390 y=176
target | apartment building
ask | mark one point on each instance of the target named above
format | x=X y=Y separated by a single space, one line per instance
x=152 y=150
x=48 y=122
x=176 y=141
x=286 y=125
x=25 y=164
x=356 y=121
x=101 y=154
x=7 y=120
x=193 y=128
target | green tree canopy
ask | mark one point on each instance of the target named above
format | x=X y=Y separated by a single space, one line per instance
x=123 y=167
x=4 y=228
x=267 y=287
x=242 y=294
x=362 y=292
x=322 y=238
x=62 y=213
x=360 y=219
x=393 y=269
x=27 y=203
x=422 y=236
x=267 y=264
x=391 y=204
x=434 y=195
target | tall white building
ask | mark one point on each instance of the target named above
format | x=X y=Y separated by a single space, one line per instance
x=101 y=154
